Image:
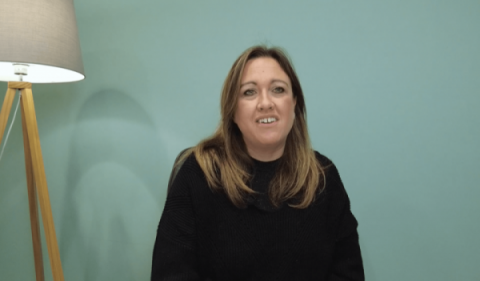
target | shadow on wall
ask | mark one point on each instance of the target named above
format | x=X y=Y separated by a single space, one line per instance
x=110 y=209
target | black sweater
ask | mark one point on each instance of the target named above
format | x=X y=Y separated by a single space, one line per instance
x=203 y=236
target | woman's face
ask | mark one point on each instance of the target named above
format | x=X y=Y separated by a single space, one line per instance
x=265 y=109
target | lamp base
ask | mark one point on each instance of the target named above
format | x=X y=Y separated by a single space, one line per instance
x=36 y=179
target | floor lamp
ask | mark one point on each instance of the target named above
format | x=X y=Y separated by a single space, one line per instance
x=39 y=44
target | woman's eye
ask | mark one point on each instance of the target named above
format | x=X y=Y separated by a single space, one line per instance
x=278 y=90
x=248 y=92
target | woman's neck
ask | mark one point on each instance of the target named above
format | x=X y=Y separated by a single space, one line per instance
x=266 y=154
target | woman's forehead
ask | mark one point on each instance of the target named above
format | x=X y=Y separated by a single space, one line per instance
x=263 y=68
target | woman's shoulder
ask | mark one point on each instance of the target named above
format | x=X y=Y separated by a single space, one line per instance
x=332 y=178
x=184 y=168
x=324 y=161
x=186 y=160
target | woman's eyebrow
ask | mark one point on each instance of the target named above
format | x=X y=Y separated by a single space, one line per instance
x=281 y=81
x=272 y=81
x=249 y=82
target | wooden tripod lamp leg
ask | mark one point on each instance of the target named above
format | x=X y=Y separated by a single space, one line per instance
x=32 y=203
x=5 y=112
x=41 y=182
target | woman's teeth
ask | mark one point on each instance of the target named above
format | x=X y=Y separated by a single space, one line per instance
x=267 y=120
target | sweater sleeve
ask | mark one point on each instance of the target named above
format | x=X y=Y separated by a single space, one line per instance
x=347 y=264
x=174 y=254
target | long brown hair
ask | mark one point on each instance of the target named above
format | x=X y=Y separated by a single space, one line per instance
x=223 y=156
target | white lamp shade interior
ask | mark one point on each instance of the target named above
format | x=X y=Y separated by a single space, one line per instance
x=38 y=73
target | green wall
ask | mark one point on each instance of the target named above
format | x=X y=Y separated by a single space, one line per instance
x=392 y=91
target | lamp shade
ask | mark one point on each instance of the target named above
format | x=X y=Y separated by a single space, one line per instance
x=43 y=35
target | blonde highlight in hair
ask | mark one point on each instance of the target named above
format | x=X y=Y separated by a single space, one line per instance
x=224 y=159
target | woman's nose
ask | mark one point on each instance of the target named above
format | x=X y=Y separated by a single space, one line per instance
x=264 y=102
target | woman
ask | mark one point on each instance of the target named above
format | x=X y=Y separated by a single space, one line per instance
x=255 y=201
